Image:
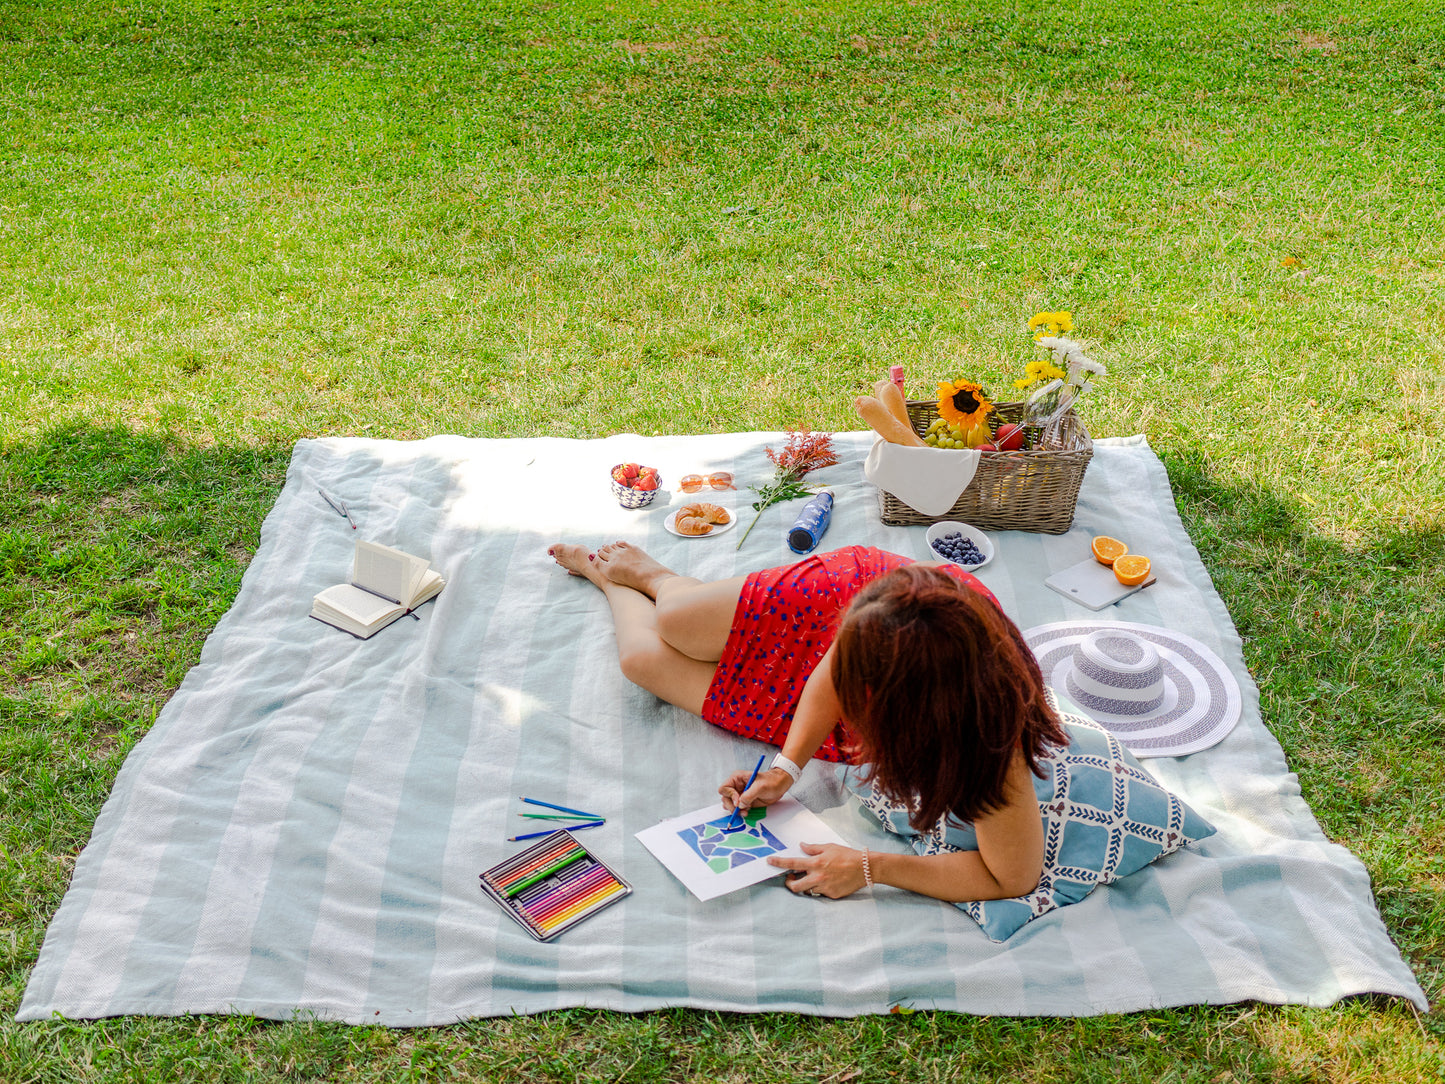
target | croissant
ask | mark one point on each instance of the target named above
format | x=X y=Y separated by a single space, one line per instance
x=692 y=525
x=710 y=513
x=696 y=519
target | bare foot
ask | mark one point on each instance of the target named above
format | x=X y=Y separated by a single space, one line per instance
x=577 y=560
x=625 y=564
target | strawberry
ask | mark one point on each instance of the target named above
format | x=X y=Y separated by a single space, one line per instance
x=647 y=483
x=630 y=469
x=619 y=476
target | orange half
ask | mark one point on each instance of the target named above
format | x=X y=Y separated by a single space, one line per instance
x=1131 y=569
x=1108 y=550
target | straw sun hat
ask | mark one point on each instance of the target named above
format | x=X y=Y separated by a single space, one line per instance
x=1162 y=693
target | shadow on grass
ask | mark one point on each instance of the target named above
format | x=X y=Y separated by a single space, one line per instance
x=1345 y=644
x=118 y=554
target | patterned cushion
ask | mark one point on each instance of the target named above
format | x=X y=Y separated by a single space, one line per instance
x=1104 y=818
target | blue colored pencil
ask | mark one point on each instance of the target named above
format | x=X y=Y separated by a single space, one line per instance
x=737 y=813
x=560 y=808
x=548 y=832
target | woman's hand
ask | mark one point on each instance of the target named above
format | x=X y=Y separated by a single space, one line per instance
x=767 y=788
x=831 y=871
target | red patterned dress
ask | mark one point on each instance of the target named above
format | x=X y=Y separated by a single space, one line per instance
x=784 y=624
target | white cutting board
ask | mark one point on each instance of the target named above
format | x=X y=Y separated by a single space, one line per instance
x=1093 y=585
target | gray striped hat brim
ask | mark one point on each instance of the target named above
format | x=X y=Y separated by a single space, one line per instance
x=1201 y=701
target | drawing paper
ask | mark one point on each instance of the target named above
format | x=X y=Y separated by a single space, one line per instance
x=711 y=859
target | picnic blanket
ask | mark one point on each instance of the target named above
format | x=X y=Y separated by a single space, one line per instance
x=301 y=832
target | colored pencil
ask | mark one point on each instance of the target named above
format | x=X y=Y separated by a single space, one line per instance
x=576 y=895
x=534 y=857
x=549 y=831
x=529 y=862
x=540 y=890
x=562 y=808
x=546 y=872
x=603 y=895
x=556 y=817
x=564 y=896
x=518 y=867
x=737 y=813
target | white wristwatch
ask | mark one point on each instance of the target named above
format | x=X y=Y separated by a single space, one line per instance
x=788 y=766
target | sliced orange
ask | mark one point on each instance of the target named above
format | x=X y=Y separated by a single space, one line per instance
x=1131 y=569
x=1108 y=550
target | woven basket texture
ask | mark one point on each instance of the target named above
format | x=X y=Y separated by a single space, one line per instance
x=1033 y=490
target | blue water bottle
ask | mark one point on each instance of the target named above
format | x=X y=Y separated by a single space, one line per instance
x=808 y=529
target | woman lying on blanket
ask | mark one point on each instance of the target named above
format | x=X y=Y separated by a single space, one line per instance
x=943 y=700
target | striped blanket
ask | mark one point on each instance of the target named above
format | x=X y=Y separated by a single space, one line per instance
x=302 y=830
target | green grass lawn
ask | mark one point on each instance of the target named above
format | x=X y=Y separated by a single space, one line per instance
x=227 y=225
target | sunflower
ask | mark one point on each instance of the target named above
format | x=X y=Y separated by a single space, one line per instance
x=963 y=403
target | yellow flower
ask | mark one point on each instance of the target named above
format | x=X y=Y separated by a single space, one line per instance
x=1039 y=371
x=1052 y=323
x=962 y=403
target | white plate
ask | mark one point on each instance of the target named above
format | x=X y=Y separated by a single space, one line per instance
x=671 y=522
x=973 y=534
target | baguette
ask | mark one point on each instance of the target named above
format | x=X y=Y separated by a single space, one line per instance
x=882 y=421
x=887 y=393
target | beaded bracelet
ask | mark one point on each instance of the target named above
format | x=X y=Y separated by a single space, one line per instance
x=867 y=873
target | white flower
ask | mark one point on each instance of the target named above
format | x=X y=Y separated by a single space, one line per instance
x=1080 y=368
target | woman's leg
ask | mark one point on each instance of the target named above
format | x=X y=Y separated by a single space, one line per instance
x=647 y=658
x=693 y=616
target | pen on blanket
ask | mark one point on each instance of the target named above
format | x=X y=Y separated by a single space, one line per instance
x=737 y=813
x=549 y=831
x=340 y=508
x=560 y=808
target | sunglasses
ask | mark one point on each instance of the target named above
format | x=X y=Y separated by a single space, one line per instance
x=691 y=483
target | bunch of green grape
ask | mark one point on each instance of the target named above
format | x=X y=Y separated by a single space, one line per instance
x=942 y=435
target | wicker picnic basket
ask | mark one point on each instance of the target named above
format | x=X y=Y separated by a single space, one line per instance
x=1034 y=490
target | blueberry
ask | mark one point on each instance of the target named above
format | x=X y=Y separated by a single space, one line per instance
x=957 y=548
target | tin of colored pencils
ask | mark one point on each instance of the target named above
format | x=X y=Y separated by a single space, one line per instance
x=553 y=885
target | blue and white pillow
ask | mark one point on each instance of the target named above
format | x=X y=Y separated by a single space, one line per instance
x=1104 y=818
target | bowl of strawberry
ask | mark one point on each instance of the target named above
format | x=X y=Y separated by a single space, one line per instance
x=635 y=486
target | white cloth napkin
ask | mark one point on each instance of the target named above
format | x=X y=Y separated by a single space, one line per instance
x=928 y=480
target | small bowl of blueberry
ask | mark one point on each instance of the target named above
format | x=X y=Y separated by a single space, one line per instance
x=959 y=544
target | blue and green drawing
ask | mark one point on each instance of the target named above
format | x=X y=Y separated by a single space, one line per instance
x=724 y=848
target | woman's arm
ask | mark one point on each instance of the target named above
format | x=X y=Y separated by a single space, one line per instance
x=814 y=718
x=1008 y=861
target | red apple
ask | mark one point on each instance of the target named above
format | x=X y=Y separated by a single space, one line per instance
x=1009 y=437
x=988 y=447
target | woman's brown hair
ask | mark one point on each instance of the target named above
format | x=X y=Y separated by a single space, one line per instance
x=939 y=688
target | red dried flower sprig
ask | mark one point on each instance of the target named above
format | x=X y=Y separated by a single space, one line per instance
x=804 y=453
